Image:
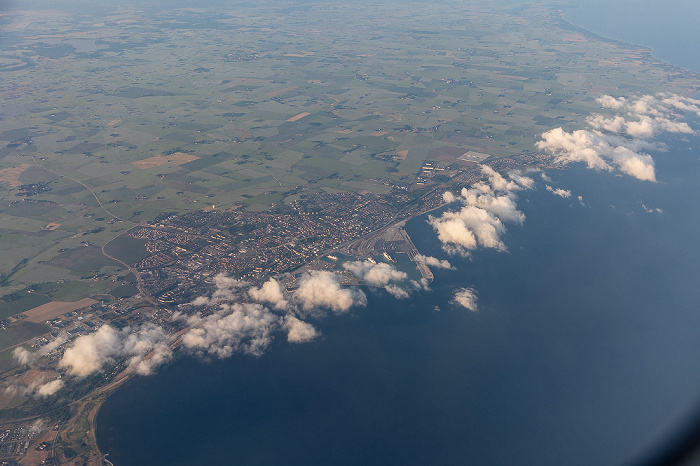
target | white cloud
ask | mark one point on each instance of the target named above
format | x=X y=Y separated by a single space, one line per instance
x=565 y=193
x=640 y=166
x=396 y=291
x=421 y=285
x=240 y=326
x=643 y=128
x=379 y=274
x=299 y=331
x=49 y=388
x=270 y=292
x=89 y=353
x=38 y=388
x=480 y=222
x=448 y=197
x=235 y=327
x=24 y=356
x=616 y=142
x=453 y=234
x=434 y=262
x=322 y=289
x=577 y=146
x=684 y=104
x=525 y=182
x=37 y=427
x=467 y=298
x=608 y=101
x=375 y=274
x=247 y=327
x=486 y=227
x=502 y=206
x=496 y=181
x=148 y=349
x=614 y=125
x=226 y=290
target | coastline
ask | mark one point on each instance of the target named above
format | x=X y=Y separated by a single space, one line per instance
x=570 y=24
x=101 y=394
x=564 y=24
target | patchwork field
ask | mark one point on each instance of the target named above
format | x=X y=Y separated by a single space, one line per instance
x=10 y=176
x=230 y=109
x=178 y=158
x=54 y=309
x=21 y=332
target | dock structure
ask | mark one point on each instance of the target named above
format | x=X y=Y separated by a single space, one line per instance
x=422 y=266
x=389 y=240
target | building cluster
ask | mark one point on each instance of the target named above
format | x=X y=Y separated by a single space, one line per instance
x=15 y=441
x=186 y=249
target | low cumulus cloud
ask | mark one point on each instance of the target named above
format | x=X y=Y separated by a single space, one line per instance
x=226 y=289
x=467 y=298
x=449 y=197
x=299 y=331
x=235 y=317
x=238 y=327
x=487 y=206
x=270 y=292
x=90 y=353
x=380 y=275
x=24 y=356
x=375 y=274
x=618 y=142
x=421 y=284
x=37 y=389
x=142 y=350
x=48 y=388
x=250 y=327
x=38 y=427
x=321 y=289
x=434 y=262
x=396 y=291
x=565 y=193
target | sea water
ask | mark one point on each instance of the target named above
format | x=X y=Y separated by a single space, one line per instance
x=583 y=350
x=669 y=28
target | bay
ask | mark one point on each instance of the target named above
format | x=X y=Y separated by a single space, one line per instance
x=582 y=351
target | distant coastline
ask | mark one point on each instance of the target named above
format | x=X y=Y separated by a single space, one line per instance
x=564 y=23
x=662 y=73
x=567 y=22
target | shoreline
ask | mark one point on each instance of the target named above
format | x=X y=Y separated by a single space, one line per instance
x=567 y=23
x=101 y=394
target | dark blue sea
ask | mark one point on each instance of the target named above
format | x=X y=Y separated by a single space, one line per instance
x=583 y=351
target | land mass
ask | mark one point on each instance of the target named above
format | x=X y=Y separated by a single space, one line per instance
x=146 y=149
